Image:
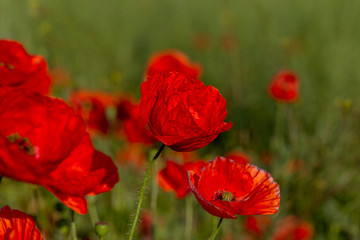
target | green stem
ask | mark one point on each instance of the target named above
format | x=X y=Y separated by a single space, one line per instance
x=73 y=226
x=212 y=237
x=148 y=171
x=189 y=218
x=94 y=217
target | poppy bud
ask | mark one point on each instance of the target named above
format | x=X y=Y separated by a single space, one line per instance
x=101 y=228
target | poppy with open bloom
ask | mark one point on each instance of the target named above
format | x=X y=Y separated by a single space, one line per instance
x=226 y=188
x=182 y=112
x=174 y=177
x=173 y=61
x=15 y=224
x=21 y=71
x=91 y=106
x=284 y=87
x=132 y=124
x=43 y=141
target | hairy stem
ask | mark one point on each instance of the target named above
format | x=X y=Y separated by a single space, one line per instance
x=142 y=191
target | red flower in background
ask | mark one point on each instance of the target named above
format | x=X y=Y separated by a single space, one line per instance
x=284 y=87
x=146 y=226
x=257 y=224
x=174 y=177
x=238 y=156
x=225 y=188
x=182 y=112
x=173 y=61
x=43 y=141
x=132 y=154
x=15 y=224
x=91 y=106
x=133 y=125
x=293 y=228
x=20 y=71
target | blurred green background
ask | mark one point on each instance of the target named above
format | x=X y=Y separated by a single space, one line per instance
x=105 y=45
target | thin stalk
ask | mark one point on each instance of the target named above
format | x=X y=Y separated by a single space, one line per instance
x=73 y=226
x=189 y=217
x=142 y=191
x=94 y=217
x=212 y=237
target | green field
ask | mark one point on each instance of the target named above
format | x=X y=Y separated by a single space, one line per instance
x=105 y=45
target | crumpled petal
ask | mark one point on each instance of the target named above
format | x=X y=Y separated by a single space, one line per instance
x=182 y=112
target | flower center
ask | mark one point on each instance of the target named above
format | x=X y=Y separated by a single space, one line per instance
x=224 y=196
x=227 y=196
x=23 y=143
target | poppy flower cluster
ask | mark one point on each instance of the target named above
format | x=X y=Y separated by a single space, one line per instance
x=51 y=148
x=15 y=224
x=42 y=140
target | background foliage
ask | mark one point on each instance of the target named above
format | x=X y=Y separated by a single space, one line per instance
x=104 y=45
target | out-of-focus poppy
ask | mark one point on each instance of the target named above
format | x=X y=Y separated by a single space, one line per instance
x=20 y=71
x=181 y=112
x=226 y=188
x=174 y=177
x=132 y=154
x=293 y=228
x=257 y=224
x=43 y=141
x=285 y=87
x=15 y=224
x=91 y=106
x=133 y=125
x=238 y=156
x=146 y=225
x=228 y=42
x=173 y=61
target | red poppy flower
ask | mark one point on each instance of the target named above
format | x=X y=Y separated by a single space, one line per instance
x=174 y=177
x=134 y=126
x=15 y=224
x=225 y=188
x=256 y=225
x=91 y=106
x=293 y=228
x=238 y=156
x=21 y=71
x=285 y=87
x=182 y=112
x=173 y=61
x=43 y=141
